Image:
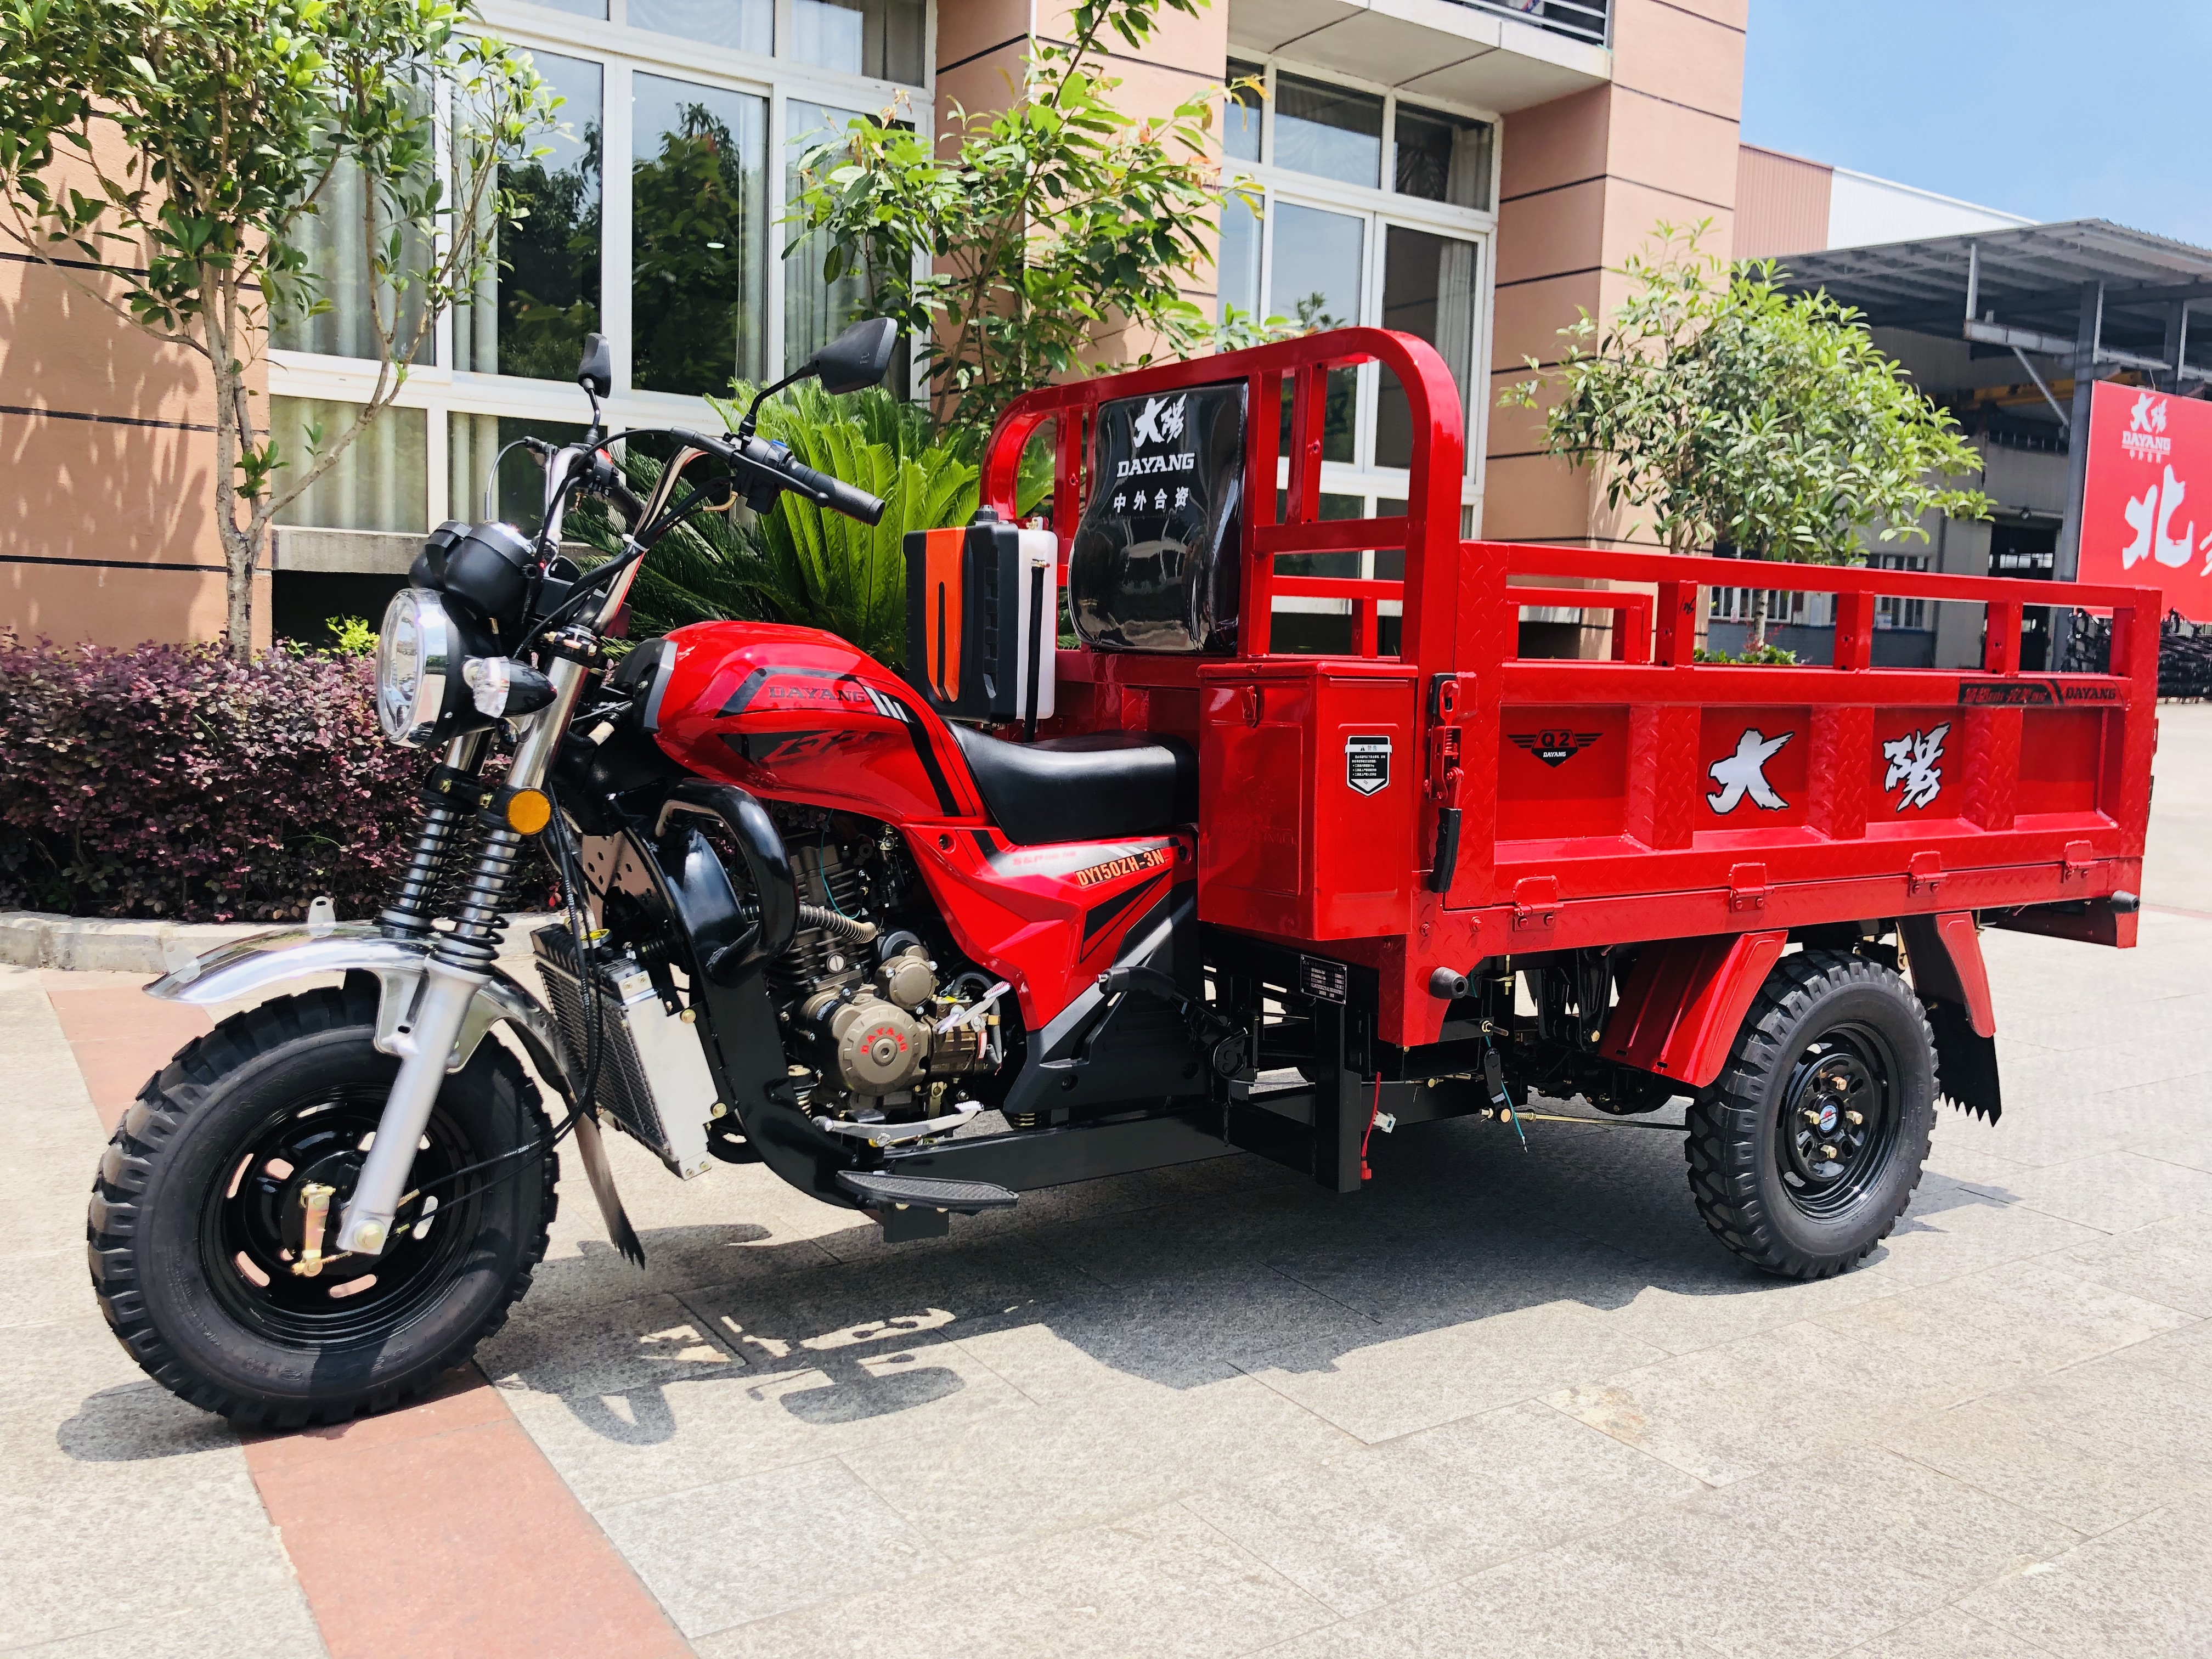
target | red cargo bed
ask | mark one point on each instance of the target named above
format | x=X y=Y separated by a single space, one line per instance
x=1447 y=800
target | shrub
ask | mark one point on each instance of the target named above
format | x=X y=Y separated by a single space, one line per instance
x=170 y=781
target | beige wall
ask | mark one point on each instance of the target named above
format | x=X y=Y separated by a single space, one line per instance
x=980 y=48
x=1583 y=180
x=1781 y=204
x=106 y=473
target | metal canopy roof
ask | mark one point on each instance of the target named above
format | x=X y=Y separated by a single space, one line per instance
x=2027 y=287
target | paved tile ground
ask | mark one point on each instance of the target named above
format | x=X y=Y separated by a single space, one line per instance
x=1499 y=1403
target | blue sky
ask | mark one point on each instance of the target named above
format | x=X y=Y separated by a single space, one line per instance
x=1970 y=98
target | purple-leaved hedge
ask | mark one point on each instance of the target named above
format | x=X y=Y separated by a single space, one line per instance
x=169 y=780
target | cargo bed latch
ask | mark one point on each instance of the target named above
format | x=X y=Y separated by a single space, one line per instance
x=1747 y=888
x=1536 y=904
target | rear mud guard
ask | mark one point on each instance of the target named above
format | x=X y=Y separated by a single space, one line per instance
x=1945 y=954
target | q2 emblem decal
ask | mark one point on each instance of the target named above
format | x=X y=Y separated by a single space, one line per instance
x=1555 y=746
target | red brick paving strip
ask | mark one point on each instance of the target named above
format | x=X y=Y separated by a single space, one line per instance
x=438 y=1532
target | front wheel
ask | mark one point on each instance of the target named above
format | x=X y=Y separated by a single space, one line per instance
x=216 y=1201
x=1808 y=1149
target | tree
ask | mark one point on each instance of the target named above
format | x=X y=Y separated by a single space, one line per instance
x=1052 y=221
x=171 y=159
x=1735 y=412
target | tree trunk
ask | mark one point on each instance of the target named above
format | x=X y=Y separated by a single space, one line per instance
x=234 y=431
x=1757 y=619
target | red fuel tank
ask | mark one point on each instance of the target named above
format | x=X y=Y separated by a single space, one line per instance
x=795 y=713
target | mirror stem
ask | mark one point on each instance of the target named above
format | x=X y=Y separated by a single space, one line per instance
x=805 y=372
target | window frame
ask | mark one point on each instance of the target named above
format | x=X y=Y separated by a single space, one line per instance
x=620 y=51
x=1380 y=207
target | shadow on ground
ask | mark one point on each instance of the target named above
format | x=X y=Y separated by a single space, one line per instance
x=1178 y=1278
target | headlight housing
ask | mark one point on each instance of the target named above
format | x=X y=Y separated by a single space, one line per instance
x=418 y=668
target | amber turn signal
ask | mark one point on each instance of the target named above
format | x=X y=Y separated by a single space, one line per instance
x=529 y=810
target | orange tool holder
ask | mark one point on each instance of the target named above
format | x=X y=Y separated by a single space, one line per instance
x=1536 y=805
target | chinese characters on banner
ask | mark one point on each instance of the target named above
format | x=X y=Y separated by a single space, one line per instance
x=2147 y=514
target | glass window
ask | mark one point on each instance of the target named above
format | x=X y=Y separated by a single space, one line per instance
x=530 y=315
x=1239 y=283
x=1428 y=289
x=1240 y=113
x=699 y=238
x=1328 y=132
x=336 y=240
x=1315 y=278
x=381 y=481
x=744 y=25
x=1441 y=158
x=814 y=311
x=882 y=37
x=474 y=442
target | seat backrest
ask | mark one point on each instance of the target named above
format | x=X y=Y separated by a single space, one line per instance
x=1156 y=562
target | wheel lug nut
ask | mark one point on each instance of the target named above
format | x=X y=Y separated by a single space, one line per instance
x=1855 y=1118
x=1827 y=1152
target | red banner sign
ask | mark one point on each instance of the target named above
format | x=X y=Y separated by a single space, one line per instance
x=2146 y=515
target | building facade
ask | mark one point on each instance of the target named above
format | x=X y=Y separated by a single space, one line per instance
x=1468 y=170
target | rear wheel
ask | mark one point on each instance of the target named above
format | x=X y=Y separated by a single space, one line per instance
x=225 y=1181
x=1809 y=1147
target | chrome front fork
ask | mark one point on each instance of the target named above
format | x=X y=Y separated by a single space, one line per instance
x=457 y=970
x=425 y=1045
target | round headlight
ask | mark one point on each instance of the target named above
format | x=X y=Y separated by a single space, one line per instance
x=418 y=654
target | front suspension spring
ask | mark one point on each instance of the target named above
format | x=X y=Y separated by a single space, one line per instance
x=411 y=908
x=478 y=921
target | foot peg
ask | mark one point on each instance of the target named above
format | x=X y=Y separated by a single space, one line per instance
x=919 y=1206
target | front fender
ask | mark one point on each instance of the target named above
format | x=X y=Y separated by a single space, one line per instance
x=248 y=966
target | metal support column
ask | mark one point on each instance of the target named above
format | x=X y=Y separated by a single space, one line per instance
x=2176 y=344
x=2087 y=335
x=1342 y=1104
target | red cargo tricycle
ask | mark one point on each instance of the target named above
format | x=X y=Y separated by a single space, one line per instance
x=1023 y=914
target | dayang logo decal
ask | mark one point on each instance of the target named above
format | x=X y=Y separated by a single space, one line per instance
x=1159 y=421
x=1555 y=746
x=2145 y=439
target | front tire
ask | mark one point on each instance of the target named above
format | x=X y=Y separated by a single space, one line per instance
x=196 y=1232
x=1808 y=1148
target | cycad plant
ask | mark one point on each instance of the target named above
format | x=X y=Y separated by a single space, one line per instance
x=796 y=563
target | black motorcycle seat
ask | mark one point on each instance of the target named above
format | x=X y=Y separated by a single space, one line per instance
x=1094 y=788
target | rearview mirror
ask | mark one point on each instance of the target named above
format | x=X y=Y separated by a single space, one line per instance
x=596 y=374
x=856 y=359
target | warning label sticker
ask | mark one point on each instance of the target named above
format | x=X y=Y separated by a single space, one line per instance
x=1367 y=763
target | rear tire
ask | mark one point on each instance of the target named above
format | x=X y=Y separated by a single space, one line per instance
x=198 y=1213
x=1808 y=1148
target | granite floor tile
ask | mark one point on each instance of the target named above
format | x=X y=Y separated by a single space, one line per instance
x=1388 y=1521
x=1402 y=1382
x=2116 y=1192
x=990 y=1485
x=1725 y=1412
x=275 y=1625
x=1158 y=1584
x=750 y=1548
x=1947 y=1634
x=2137 y=1592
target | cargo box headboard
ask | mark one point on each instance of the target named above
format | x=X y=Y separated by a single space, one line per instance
x=1220 y=598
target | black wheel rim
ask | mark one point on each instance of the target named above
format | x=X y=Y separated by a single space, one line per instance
x=1839 y=1119
x=253 y=1231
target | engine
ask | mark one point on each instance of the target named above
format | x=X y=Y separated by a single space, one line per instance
x=887 y=1036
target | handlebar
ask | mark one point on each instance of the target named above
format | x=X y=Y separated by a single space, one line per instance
x=835 y=492
x=774 y=464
